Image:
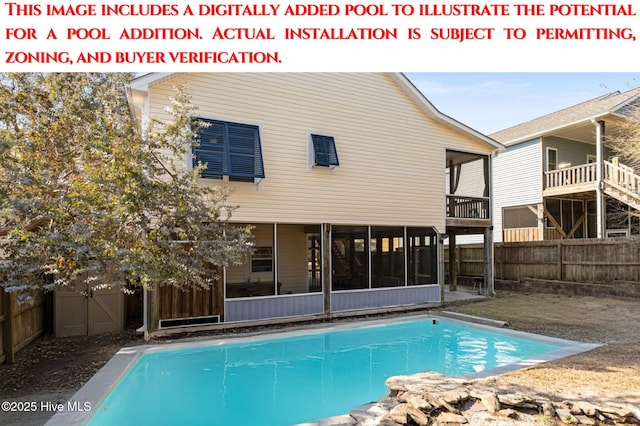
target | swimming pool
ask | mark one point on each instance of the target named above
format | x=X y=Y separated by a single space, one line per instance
x=294 y=377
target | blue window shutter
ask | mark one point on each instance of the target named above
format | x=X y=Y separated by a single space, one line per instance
x=324 y=148
x=245 y=153
x=211 y=149
x=229 y=149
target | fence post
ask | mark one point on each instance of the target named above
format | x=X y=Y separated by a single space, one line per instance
x=560 y=273
x=7 y=333
x=501 y=250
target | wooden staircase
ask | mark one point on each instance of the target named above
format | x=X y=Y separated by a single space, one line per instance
x=621 y=183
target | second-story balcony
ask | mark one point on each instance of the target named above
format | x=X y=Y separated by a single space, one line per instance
x=569 y=180
x=618 y=181
x=468 y=189
x=462 y=207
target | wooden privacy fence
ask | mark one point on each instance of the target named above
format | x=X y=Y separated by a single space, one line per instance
x=576 y=260
x=20 y=323
x=579 y=260
x=469 y=259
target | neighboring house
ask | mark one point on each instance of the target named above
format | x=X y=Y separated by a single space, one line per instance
x=342 y=176
x=558 y=179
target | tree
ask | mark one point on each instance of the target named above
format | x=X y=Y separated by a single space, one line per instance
x=624 y=141
x=88 y=196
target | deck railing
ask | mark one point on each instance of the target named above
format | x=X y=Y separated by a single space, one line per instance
x=618 y=176
x=584 y=173
x=467 y=207
x=622 y=178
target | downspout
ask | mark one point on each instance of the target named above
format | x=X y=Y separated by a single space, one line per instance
x=140 y=108
x=491 y=288
x=599 y=181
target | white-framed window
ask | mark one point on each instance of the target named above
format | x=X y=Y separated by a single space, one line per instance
x=262 y=259
x=552 y=159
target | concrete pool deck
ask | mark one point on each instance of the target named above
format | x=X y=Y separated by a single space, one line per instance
x=93 y=393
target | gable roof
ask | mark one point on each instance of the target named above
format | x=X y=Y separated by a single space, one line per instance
x=572 y=116
x=143 y=82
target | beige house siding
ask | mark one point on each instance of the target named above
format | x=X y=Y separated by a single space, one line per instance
x=392 y=154
x=292 y=256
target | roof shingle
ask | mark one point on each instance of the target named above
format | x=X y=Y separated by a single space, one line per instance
x=585 y=111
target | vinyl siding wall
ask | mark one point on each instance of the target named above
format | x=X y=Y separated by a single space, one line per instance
x=292 y=258
x=392 y=155
x=574 y=153
x=571 y=151
x=517 y=180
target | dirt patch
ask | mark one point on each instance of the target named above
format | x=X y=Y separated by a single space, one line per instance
x=49 y=371
x=53 y=369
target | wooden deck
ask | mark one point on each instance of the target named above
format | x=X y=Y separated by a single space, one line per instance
x=580 y=181
x=468 y=212
x=571 y=180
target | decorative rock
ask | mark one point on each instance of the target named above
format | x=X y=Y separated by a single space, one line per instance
x=416 y=401
x=418 y=398
x=454 y=396
x=566 y=416
x=515 y=399
x=451 y=418
x=385 y=422
x=398 y=414
x=491 y=402
x=418 y=416
x=509 y=412
x=585 y=420
x=619 y=411
x=548 y=409
x=387 y=403
x=395 y=384
x=476 y=405
x=583 y=407
x=438 y=402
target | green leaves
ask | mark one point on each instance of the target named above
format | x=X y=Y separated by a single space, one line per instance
x=84 y=194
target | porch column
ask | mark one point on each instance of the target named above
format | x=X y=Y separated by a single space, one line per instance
x=441 y=274
x=453 y=262
x=325 y=247
x=488 y=262
x=217 y=293
x=600 y=216
x=153 y=309
x=541 y=224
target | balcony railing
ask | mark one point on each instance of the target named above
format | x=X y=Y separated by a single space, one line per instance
x=585 y=173
x=467 y=207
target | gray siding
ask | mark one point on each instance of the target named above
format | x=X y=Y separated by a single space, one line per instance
x=378 y=298
x=572 y=152
x=257 y=308
x=517 y=180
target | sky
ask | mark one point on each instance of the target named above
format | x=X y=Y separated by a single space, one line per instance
x=489 y=102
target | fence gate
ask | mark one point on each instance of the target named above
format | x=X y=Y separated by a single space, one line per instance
x=83 y=312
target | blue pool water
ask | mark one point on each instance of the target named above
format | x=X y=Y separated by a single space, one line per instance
x=288 y=380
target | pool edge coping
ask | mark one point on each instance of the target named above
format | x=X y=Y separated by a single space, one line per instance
x=96 y=390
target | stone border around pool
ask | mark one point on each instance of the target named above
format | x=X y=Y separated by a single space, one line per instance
x=93 y=393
